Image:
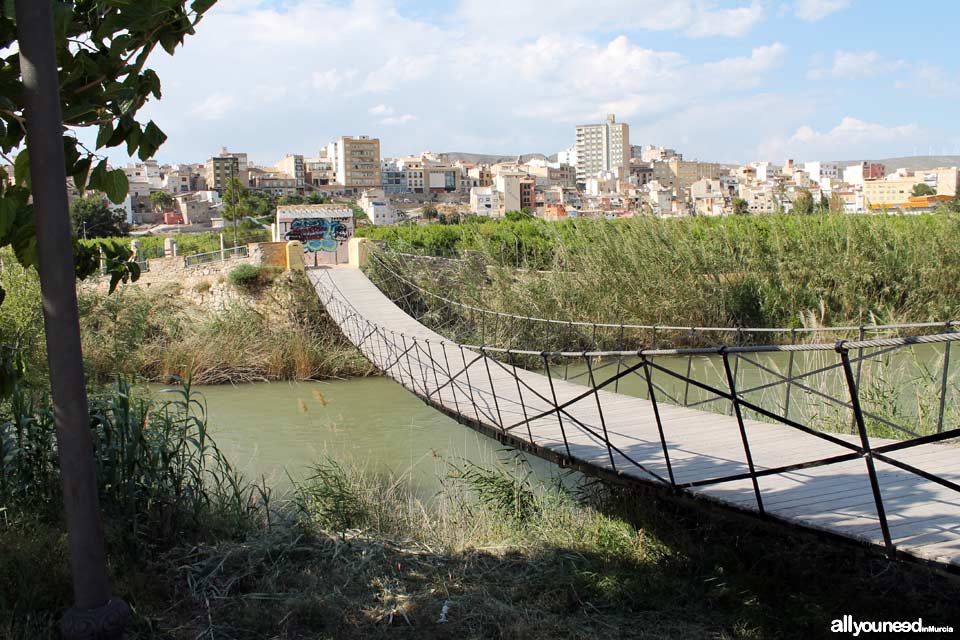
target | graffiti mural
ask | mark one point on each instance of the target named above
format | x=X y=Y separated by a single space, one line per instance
x=318 y=234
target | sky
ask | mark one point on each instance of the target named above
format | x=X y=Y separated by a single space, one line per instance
x=727 y=81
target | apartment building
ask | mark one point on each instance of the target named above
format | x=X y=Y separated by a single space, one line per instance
x=319 y=171
x=357 y=162
x=485 y=201
x=820 y=171
x=219 y=170
x=681 y=174
x=179 y=179
x=892 y=193
x=517 y=191
x=602 y=147
x=857 y=174
x=293 y=166
x=393 y=179
x=274 y=182
x=651 y=153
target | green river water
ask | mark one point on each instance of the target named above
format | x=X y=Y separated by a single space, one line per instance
x=281 y=429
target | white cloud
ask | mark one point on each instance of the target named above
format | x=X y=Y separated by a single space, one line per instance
x=734 y=22
x=404 y=119
x=855 y=64
x=499 y=76
x=331 y=79
x=694 y=18
x=214 y=106
x=849 y=139
x=815 y=10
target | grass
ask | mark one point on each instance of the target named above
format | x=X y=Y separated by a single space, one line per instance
x=355 y=555
x=276 y=331
x=769 y=271
x=158 y=335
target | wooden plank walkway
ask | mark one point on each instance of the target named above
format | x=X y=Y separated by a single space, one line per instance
x=923 y=516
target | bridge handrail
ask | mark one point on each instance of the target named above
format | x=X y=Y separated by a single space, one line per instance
x=658 y=327
x=839 y=345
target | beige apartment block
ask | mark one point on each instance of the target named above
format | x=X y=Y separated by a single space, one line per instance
x=681 y=174
x=602 y=147
x=890 y=193
x=358 y=163
x=293 y=166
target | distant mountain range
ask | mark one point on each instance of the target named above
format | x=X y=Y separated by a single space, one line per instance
x=920 y=163
x=453 y=156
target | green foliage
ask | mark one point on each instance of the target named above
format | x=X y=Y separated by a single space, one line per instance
x=235 y=200
x=704 y=271
x=158 y=468
x=429 y=212
x=187 y=243
x=508 y=492
x=102 y=48
x=292 y=199
x=247 y=276
x=161 y=200
x=923 y=189
x=803 y=204
x=741 y=207
x=92 y=218
x=516 y=216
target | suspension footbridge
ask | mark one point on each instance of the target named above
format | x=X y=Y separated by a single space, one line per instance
x=868 y=476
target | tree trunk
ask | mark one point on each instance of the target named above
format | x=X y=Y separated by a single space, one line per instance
x=96 y=615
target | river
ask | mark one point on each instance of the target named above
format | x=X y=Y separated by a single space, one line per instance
x=279 y=430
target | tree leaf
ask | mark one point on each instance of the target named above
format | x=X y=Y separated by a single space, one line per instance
x=24 y=243
x=98 y=176
x=104 y=134
x=21 y=168
x=116 y=186
x=80 y=173
x=201 y=6
x=8 y=215
x=151 y=140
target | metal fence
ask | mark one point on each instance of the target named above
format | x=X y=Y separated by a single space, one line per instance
x=215 y=256
x=512 y=390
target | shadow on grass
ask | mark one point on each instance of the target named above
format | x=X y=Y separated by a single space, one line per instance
x=639 y=566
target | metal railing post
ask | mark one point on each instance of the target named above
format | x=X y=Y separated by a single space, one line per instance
x=943 y=380
x=793 y=341
x=556 y=405
x=493 y=392
x=656 y=415
x=865 y=443
x=466 y=371
x=523 y=405
x=453 y=383
x=735 y=399
x=603 y=422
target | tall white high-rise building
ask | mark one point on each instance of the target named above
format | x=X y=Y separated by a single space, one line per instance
x=602 y=147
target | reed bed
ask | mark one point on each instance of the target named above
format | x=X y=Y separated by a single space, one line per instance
x=765 y=271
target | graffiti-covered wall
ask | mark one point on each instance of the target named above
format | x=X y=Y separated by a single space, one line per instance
x=322 y=229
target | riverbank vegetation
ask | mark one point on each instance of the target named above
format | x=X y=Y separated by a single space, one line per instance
x=211 y=331
x=199 y=552
x=767 y=271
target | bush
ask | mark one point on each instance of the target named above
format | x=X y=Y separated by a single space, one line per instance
x=247 y=276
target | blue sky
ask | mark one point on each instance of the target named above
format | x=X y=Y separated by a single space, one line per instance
x=731 y=81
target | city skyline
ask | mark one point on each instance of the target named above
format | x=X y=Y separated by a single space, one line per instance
x=726 y=81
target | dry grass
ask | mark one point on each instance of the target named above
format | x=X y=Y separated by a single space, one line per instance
x=279 y=332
